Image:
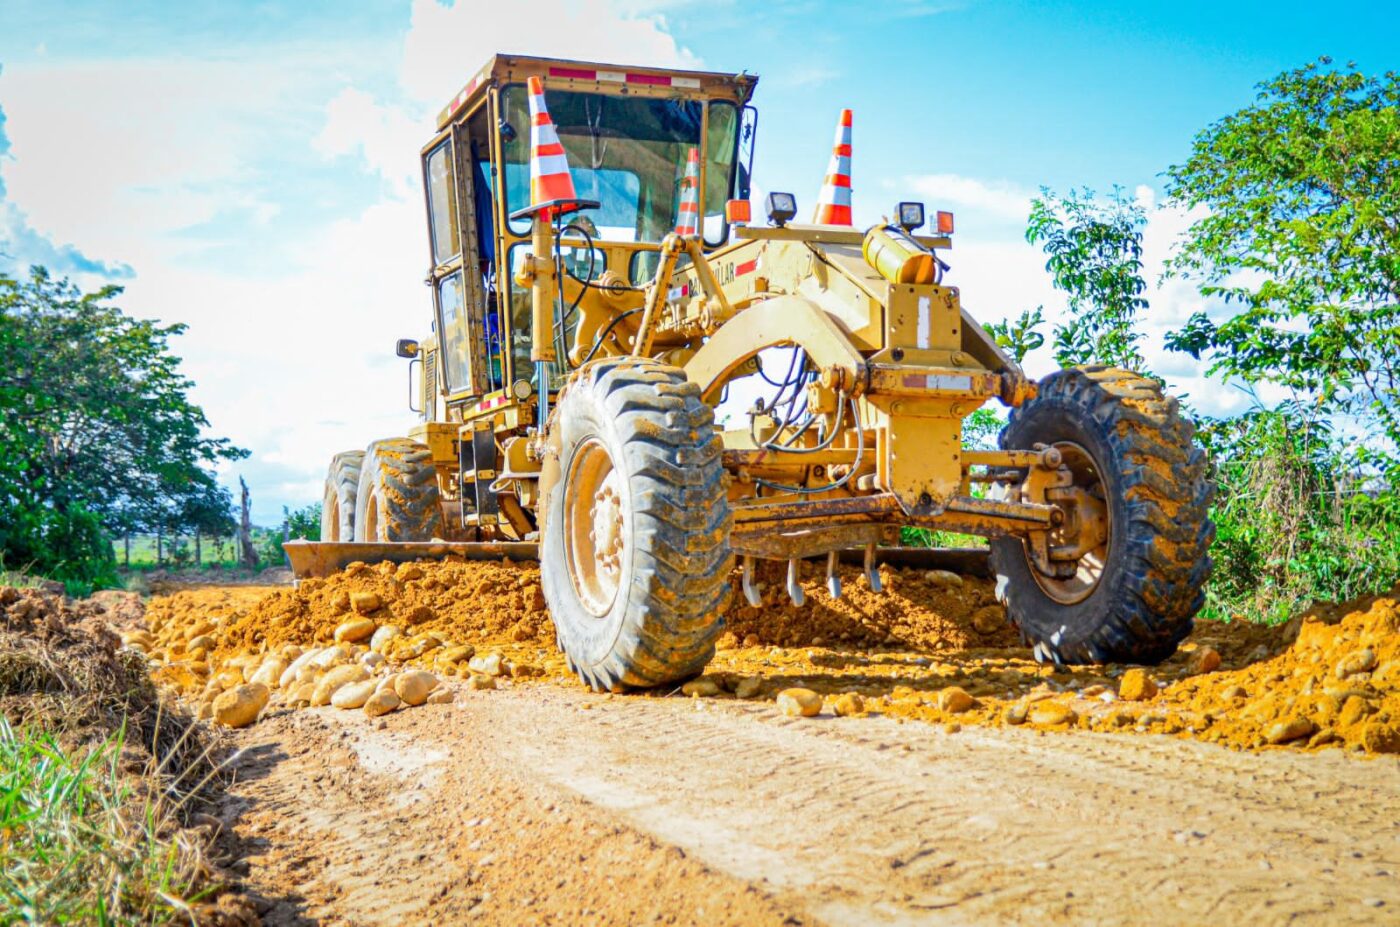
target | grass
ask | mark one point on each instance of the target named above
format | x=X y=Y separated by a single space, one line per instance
x=19 y=579
x=932 y=537
x=83 y=842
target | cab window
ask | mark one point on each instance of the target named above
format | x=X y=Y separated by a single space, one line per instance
x=626 y=152
x=721 y=151
x=451 y=308
x=442 y=205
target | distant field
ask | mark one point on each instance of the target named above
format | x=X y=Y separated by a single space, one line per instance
x=213 y=551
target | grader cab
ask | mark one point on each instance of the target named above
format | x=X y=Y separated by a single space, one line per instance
x=600 y=290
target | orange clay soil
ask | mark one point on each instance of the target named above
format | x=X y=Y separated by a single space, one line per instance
x=932 y=646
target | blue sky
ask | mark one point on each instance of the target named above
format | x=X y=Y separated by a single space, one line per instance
x=250 y=169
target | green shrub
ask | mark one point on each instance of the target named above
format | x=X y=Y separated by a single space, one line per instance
x=80 y=843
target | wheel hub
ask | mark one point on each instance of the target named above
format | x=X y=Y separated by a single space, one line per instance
x=1076 y=550
x=595 y=527
x=607 y=535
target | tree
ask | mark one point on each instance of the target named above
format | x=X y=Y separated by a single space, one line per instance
x=1301 y=235
x=1020 y=337
x=247 y=554
x=97 y=432
x=1094 y=252
x=207 y=509
x=304 y=522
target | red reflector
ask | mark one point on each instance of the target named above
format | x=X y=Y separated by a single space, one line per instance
x=737 y=211
x=945 y=223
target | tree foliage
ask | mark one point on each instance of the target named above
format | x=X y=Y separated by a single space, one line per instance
x=1301 y=234
x=1094 y=252
x=97 y=430
x=1021 y=336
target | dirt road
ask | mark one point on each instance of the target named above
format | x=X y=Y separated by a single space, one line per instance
x=552 y=806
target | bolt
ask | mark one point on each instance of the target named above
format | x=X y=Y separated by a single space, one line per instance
x=897 y=354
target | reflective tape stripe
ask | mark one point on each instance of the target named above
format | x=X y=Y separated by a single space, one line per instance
x=574 y=73
x=552 y=164
x=626 y=77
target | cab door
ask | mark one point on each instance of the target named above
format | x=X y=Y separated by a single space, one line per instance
x=458 y=292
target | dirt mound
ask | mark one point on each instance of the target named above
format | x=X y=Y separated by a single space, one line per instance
x=928 y=610
x=61 y=665
x=501 y=605
x=1331 y=678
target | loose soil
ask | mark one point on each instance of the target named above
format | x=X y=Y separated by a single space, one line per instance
x=553 y=806
x=901 y=802
x=1328 y=680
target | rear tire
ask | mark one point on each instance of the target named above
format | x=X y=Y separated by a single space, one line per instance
x=1154 y=481
x=635 y=556
x=338 y=502
x=398 y=498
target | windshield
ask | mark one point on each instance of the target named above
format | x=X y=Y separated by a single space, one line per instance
x=628 y=153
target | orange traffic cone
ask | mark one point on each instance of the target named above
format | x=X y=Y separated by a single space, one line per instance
x=688 y=218
x=550 y=180
x=834 y=203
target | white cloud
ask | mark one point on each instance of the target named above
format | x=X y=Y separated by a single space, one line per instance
x=446 y=44
x=803 y=76
x=383 y=136
x=143 y=161
x=996 y=198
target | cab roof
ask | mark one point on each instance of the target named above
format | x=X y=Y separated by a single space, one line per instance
x=567 y=74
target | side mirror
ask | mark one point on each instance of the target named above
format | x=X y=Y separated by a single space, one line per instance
x=406 y=347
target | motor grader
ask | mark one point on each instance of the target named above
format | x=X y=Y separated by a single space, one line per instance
x=578 y=354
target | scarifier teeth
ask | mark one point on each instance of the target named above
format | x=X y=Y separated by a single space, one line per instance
x=833 y=582
x=752 y=593
x=794 y=588
x=872 y=575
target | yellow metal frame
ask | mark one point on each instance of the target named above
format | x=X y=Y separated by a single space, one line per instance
x=898 y=365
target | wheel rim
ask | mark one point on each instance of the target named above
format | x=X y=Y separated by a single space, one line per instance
x=1088 y=569
x=595 y=529
x=372 y=517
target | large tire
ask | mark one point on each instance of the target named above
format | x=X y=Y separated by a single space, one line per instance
x=338 y=502
x=1157 y=491
x=398 y=496
x=635 y=556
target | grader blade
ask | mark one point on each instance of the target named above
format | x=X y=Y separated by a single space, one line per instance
x=322 y=558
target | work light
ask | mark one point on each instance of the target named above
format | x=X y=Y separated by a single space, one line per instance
x=911 y=215
x=781 y=208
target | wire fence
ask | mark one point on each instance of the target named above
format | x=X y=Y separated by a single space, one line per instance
x=192 y=551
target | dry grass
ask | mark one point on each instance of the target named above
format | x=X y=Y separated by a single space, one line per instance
x=82 y=840
x=100 y=778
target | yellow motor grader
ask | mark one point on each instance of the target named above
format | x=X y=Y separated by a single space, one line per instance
x=569 y=388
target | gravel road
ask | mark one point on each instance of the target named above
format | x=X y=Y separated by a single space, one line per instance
x=553 y=806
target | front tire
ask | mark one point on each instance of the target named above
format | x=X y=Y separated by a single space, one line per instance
x=338 y=501
x=398 y=496
x=635 y=557
x=1131 y=446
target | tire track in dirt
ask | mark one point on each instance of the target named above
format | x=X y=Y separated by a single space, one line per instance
x=646 y=810
x=870 y=821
